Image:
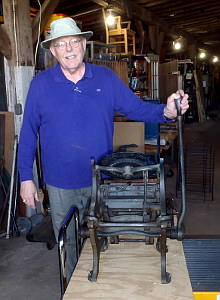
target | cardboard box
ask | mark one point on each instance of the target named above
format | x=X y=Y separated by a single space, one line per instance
x=126 y=133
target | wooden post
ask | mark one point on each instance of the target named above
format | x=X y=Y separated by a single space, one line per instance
x=19 y=67
x=192 y=52
x=141 y=33
x=156 y=38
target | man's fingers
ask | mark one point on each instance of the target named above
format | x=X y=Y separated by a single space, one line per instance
x=180 y=92
x=36 y=196
x=29 y=193
x=29 y=203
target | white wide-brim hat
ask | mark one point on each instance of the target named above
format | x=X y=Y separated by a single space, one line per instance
x=64 y=27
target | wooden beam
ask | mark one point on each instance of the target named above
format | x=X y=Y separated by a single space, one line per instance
x=179 y=6
x=19 y=69
x=82 y=13
x=18 y=27
x=47 y=9
x=150 y=2
x=5 y=43
x=161 y=40
x=141 y=34
x=192 y=13
x=128 y=9
x=153 y=32
x=117 y=5
x=156 y=38
x=102 y=3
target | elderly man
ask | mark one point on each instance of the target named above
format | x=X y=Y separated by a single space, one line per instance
x=71 y=106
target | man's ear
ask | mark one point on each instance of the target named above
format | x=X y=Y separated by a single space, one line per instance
x=84 y=44
x=52 y=51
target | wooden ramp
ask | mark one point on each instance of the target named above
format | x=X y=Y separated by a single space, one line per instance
x=131 y=271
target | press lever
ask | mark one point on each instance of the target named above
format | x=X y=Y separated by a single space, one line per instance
x=178 y=107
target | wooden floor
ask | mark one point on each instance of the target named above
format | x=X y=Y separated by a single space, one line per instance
x=131 y=271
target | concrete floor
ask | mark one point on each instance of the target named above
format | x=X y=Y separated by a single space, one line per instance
x=28 y=271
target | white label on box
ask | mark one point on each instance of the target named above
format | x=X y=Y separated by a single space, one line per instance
x=218 y=297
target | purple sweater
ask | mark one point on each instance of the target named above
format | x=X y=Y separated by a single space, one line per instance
x=75 y=123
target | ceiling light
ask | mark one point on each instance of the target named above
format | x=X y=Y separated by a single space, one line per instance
x=110 y=19
x=177 y=45
x=202 y=55
x=215 y=59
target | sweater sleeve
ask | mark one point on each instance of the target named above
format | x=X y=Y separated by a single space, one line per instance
x=29 y=134
x=126 y=102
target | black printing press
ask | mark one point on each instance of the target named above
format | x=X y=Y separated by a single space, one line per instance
x=129 y=204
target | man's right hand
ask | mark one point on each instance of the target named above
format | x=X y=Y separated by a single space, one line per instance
x=28 y=193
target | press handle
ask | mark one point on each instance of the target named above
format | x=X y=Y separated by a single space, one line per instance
x=178 y=107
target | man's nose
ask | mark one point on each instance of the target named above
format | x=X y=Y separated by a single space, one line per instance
x=68 y=46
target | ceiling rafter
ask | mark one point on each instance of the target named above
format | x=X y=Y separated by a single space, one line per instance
x=150 y=3
x=208 y=20
x=171 y=5
x=193 y=14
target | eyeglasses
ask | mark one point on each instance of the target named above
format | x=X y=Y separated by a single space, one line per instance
x=74 y=43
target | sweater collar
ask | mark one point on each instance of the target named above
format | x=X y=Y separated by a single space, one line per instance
x=60 y=77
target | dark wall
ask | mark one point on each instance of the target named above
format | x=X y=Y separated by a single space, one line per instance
x=3 y=101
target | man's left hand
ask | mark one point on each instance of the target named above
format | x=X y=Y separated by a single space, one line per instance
x=170 y=111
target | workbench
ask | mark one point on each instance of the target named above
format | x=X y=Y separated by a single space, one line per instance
x=131 y=271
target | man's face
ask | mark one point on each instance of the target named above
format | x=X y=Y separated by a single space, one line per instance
x=69 y=51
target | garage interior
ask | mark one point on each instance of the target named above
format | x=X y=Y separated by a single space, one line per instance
x=155 y=47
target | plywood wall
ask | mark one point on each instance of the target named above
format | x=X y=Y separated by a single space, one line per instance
x=168 y=79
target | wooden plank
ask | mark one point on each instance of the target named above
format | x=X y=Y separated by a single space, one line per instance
x=101 y=3
x=119 y=67
x=199 y=96
x=168 y=79
x=131 y=271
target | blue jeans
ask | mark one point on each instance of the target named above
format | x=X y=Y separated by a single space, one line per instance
x=60 y=202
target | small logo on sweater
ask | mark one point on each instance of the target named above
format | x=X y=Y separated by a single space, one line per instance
x=98 y=90
x=77 y=90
